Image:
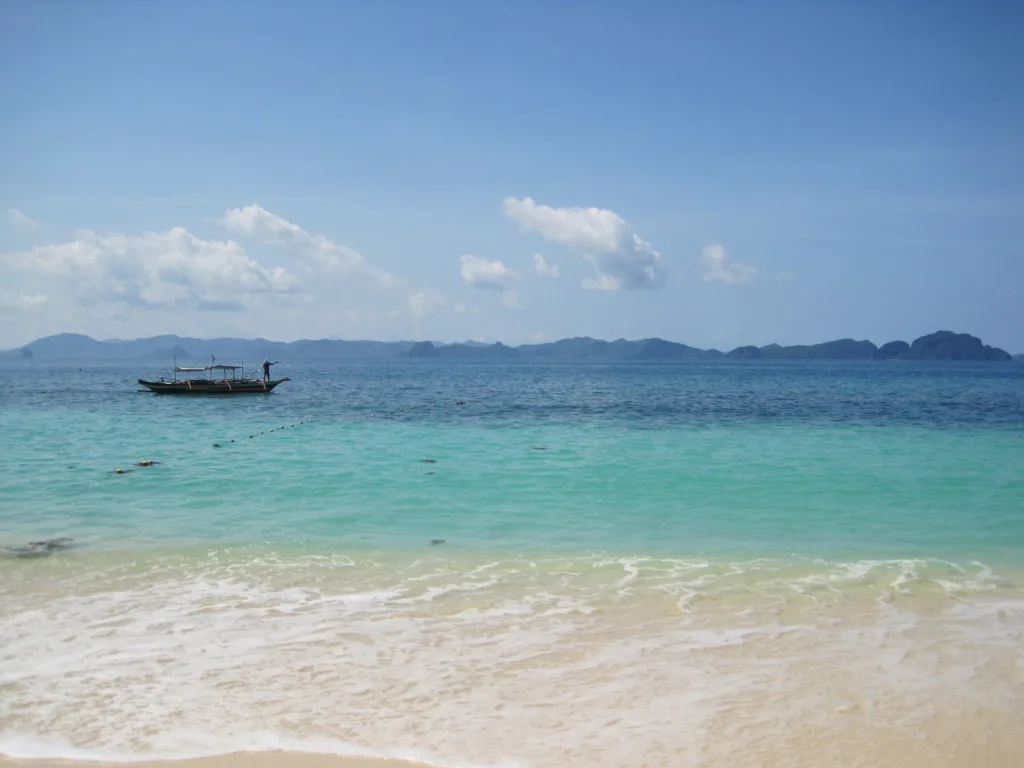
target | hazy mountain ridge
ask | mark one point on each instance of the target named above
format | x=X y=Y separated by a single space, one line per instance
x=941 y=345
x=72 y=346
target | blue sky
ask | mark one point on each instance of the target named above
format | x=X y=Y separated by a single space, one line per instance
x=712 y=173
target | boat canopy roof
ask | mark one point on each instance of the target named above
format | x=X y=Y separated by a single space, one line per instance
x=217 y=367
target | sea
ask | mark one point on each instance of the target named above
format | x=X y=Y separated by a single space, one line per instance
x=512 y=564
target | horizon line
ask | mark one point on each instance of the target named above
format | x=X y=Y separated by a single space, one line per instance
x=116 y=340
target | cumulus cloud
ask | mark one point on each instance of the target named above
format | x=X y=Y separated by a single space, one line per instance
x=97 y=282
x=256 y=221
x=21 y=223
x=321 y=254
x=544 y=269
x=486 y=273
x=588 y=229
x=155 y=270
x=622 y=259
x=717 y=267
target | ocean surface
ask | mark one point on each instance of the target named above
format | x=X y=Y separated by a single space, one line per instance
x=510 y=564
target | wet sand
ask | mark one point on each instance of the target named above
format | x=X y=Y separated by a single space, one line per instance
x=694 y=666
x=239 y=760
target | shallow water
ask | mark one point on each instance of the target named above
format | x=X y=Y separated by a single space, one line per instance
x=597 y=564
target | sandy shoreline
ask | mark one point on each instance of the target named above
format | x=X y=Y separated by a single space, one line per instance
x=237 y=760
x=837 y=666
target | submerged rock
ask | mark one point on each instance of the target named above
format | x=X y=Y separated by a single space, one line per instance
x=46 y=547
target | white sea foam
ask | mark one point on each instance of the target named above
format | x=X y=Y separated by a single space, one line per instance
x=596 y=661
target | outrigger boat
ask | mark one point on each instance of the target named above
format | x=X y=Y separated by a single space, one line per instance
x=219 y=380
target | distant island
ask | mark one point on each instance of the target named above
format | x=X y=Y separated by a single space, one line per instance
x=941 y=345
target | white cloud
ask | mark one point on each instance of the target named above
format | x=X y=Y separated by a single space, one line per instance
x=544 y=269
x=21 y=223
x=21 y=301
x=486 y=273
x=588 y=229
x=717 y=267
x=423 y=303
x=622 y=259
x=256 y=221
x=170 y=269
x=602 y=282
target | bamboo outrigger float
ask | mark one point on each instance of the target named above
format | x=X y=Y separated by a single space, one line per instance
x=219 y=380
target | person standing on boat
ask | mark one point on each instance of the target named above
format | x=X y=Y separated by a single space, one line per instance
x=266 y=369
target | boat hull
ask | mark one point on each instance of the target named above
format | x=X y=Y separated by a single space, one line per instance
x=207 y=387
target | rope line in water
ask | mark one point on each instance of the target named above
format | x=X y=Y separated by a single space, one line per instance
x=380 y=415
x=50 y=546
x=150 y=462
x=143 y=463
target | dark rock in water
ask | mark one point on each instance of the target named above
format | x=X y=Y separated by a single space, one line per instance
x=70 y=466
x=893 y=350
x=146 y=463
x=436 y=542
x=429 y=461
x=217 y=445
x=37 y=548
x=539 y=447
x=60 y=543
x=431 y=473
x=120 y=471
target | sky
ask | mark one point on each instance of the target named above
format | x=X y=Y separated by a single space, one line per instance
x=713 y=173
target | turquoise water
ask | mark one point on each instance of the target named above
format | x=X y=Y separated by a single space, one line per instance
x=518 y=565
x=806 y=460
